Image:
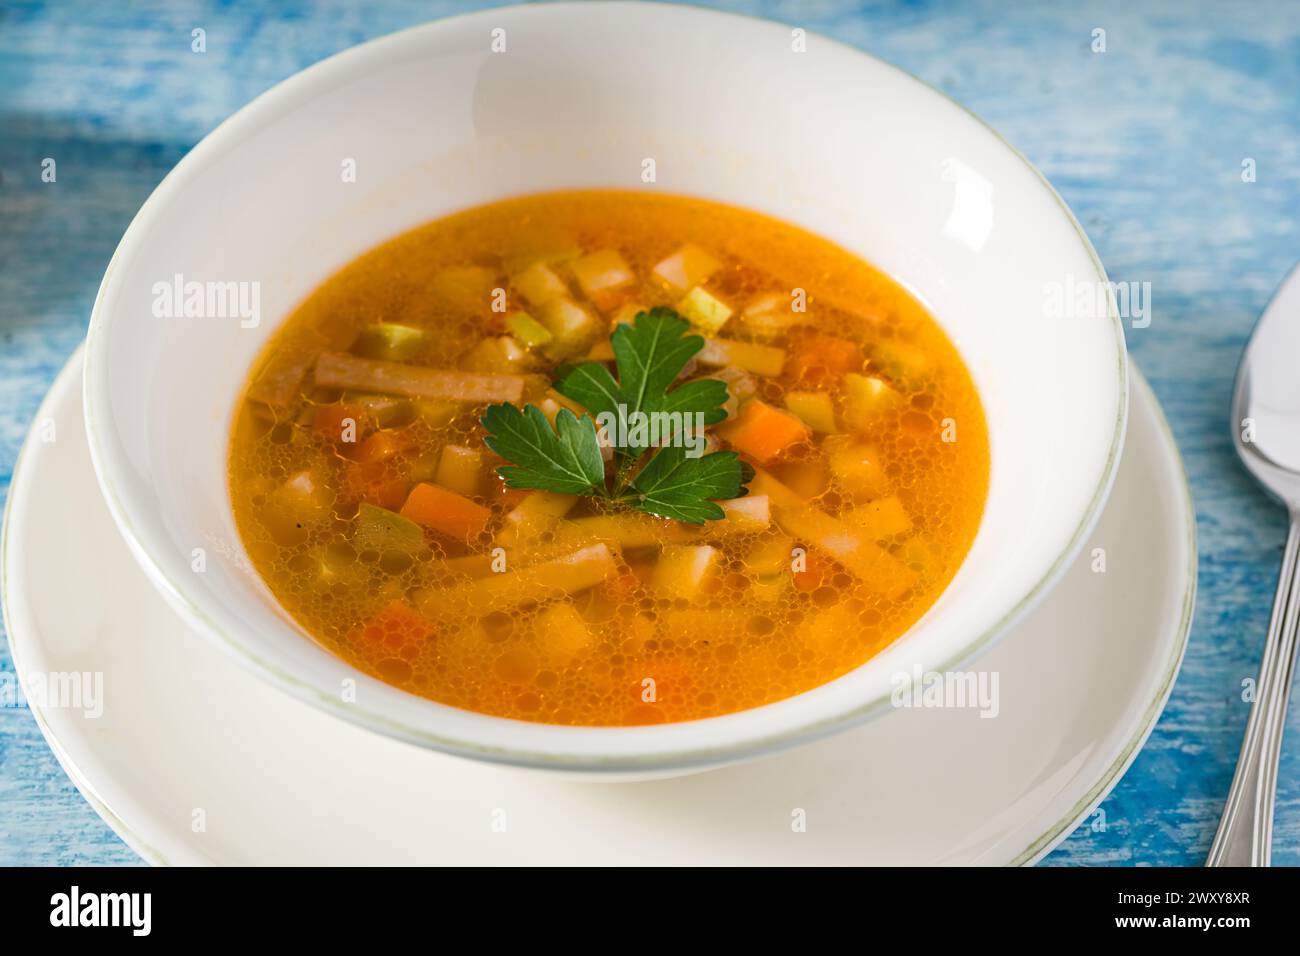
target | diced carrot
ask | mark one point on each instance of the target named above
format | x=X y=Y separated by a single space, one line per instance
x=817 y=571
x=340 y=423
x=383 y=445
x=822 y=359
x=763 y=431
x=394 y=625
x=381 y=483
x=445 y=511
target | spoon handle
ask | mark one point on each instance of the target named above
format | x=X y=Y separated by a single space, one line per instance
x=1246 y=830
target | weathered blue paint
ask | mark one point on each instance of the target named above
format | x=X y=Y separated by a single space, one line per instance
x=1145 y=141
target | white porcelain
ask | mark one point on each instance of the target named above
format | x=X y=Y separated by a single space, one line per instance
x=1081 y=681
x=435 y=121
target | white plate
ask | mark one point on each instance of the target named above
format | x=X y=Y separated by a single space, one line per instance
x=186 y=735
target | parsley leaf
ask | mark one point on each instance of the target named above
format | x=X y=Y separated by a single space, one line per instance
x=674 y=486
x=649 y=354
x=566 y=460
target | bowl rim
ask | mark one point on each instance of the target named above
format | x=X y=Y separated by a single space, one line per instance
x=106 y=458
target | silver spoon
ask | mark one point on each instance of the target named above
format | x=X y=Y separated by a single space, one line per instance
x=1266 y=431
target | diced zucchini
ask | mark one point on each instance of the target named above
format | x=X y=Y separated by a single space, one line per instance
x=815 y=408
x=302 y=499
x=902 y=360
x=601 y=275
x=705 y=310
x=391 y=341
x=539 y=284
x=460 y=469
x=689 y=266
x=435 y=412
x=684 y=570
x=378 y=529
x=759 y=359
x=530 y=333
x=856 y=468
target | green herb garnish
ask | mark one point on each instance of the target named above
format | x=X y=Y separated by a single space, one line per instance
x=649 y=354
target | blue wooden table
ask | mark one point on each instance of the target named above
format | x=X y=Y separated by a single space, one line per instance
x=1147 y=141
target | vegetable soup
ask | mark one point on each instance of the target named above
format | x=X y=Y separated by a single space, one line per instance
x=608 y=458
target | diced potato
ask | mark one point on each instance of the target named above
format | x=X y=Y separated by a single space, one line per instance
x=865 y=397
x=575 y=572
x=815 y=408
x=460 y=469
x=902 y=360
x=879 y=519
x=807 y=478
x=781 y=494
x=530 y=333
x=303 y=496
x=759 y=359
x=865 y=559
x=572 y=325
x=748 y=514
x=386 y=411
x=539 y=284
x=499 y=354
x=704 y=309
x=856 y=467
x=741 y=387
x=391 y=341
x=562 y=631
x=829 y=628
x=689 y=266
x=684 y=570
x=631 y=530
x=602 y=351
x=466 y=288
x=768 y=317
x=770 y=554
x=533 y=516
x=601 y=275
